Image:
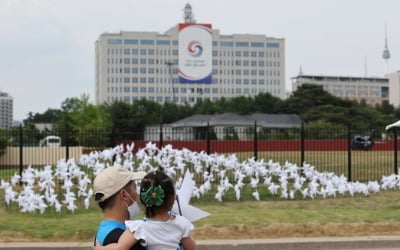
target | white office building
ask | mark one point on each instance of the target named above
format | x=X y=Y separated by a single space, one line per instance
x=394 y=85
x=132 y=65
x=6 y=111
x=373 y=90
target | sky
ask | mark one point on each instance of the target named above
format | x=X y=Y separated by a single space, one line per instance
x=47 y=46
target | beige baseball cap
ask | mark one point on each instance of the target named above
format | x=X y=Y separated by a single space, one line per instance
x=112 y=179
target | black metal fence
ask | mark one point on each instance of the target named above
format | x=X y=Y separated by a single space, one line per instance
x=358 y=154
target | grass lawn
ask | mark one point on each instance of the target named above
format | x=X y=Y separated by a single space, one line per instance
x=377 y=214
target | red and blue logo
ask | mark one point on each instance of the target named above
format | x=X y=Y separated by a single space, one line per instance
x=195 y=48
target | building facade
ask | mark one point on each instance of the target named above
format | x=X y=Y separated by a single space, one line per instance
x=6 y=110
x=394 y=85
x=133 y=65
x=373 y=90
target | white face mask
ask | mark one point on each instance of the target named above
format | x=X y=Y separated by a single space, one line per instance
x=133 y=209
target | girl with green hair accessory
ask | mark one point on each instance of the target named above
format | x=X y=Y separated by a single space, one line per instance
x=160 y=229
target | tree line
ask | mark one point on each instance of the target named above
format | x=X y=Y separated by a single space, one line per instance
x=315 y=106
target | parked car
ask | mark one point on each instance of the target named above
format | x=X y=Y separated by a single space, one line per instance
x=364 y=142
x=50 y=141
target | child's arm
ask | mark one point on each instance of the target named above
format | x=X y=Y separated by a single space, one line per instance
x=188 y=243
x=125 y=242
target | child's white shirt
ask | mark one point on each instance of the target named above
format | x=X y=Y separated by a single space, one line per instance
x=160 y=235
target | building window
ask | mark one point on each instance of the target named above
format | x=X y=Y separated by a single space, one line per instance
x=131 y=41
x=226 y=44
x=127 y=51
x=272 y=45
x=242 y=44
x=127 y=61
x=257 y=44
x=114 y=41
x=163 y=42
x=147 y=42
x=135 y=51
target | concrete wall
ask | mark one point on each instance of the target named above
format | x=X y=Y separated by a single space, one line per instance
x=39 y=155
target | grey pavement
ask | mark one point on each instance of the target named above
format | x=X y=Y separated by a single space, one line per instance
x=325 y=243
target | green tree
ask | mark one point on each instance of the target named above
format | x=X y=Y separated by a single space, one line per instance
x=49 y=116
x=3 y=142
x=311 y=95
x=266 y=103
x=84 y=120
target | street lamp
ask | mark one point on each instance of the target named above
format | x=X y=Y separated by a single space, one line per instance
x=170 y=64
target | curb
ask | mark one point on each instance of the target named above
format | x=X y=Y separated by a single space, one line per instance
x=364 y=242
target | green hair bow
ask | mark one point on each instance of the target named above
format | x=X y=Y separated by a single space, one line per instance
x=153 y=196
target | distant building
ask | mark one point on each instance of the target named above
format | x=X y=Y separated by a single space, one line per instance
x=373 y=90
x=223 y=125
x=6 y=111
x=394 y=85
x=133 y=65
x=44 y=127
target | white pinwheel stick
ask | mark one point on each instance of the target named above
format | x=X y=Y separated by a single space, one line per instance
x=182 y=206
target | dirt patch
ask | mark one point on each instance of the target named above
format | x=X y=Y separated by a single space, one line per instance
x=245 y=231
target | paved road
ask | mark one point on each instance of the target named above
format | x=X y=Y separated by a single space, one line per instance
x=328 y=243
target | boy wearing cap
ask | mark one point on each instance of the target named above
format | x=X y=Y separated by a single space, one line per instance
x=115 y=192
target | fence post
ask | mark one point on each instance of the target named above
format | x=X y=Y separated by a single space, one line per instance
x=396 y=169
x=255 y=141
x=208 y=137
x=208 y=144
x=302 y=147
x=21 y=153
x=349 y=177
x=66 y=143
x=161 y=134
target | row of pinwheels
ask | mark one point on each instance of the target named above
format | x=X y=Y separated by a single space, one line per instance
x=67 y=184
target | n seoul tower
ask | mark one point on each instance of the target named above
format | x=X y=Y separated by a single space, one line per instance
x=386 y=53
